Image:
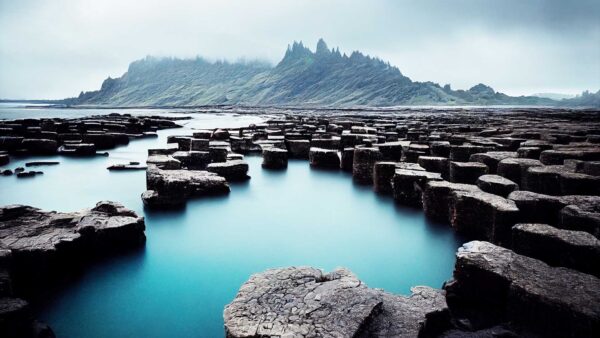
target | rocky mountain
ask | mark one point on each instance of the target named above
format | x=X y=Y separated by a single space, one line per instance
x=324 y=77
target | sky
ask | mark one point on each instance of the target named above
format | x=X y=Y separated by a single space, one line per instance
x=56 y=48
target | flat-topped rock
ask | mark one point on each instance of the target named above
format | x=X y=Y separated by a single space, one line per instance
x=436 y=198
x=170 y=188
x=466 y=172
x=577 y=250
x=382 y=176
x=581 y=213
x=274 y=158
x=305 y=302
x=537 y=208
x=560 y=180
x=492 y=158
x=515 y=169
x=234 y=170
x=164 y=161
x=408 y=185
x=484 y=216
x=363 y=163
x=298 y=148
x=324 y=158
x=496 y=185
x=41 y=241
x=494 y=284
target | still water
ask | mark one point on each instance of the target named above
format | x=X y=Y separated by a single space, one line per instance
x=195 y=260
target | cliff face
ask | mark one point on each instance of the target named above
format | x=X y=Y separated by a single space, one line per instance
x=302 y=78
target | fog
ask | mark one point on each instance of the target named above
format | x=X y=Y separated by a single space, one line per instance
x=55 y=49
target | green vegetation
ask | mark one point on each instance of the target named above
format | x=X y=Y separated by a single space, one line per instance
x=302 y=78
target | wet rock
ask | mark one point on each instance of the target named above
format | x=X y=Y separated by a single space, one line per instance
x=305 y=302
x=40 y=146
x=193 y=160
x=10 y=143
x=324 y=158
x=347 y=159
x=4 y=159
x=6 y=172
x=484 y=216
x=166 y=162
x=364 y=161
x=45 y=242
x=199 y=144
x=100 y=140
x=492 y=158
x=408 y=185
x=275 y=158
x=298 y=148
x=218 y=153
x=466 y=172
x=41 y=163
x=515 y=169
x=23 y=174
x=126 y=167
x=382 y=177
x=576 y=250
x=220 y=134
x=234 y=170
x=496 y=185
x=77 y=149
x=178 y=185
x=437 y=196
x=493 y=285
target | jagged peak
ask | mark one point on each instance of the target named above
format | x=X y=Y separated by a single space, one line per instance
x=322 y=47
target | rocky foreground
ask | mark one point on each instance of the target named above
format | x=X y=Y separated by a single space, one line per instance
x=524 y=184
x=38 y=246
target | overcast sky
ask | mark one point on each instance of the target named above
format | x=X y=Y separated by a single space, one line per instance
x=55 y=49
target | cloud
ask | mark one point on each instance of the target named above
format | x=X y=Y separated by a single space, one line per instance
x=54 y=49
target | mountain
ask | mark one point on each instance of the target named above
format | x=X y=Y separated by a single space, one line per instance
x=586 y=99
x=554 y=96
x=324 y=77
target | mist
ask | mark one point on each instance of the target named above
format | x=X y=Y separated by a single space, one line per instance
x=55 y=49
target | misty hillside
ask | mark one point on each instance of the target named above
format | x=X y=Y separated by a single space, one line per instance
x=325 y=77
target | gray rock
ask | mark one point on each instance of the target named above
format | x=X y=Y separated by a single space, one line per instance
x=274 y=158
x=466 y=172
x=305 y=302
x=484 y=216
x=382 y=176
x=492 y=158
x=363 y=163
x=515 y=169
x=408 y=185
x=437 y=196
x=236 y=170
x=496 y=185
x=577 y=250
x=298 y=148
x=324 y=158
x=493 y=284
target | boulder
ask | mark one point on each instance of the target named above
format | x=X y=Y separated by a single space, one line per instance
x=529 y=152
x=305 y=302
x=390 y=151
x=466 y=172
x=493 y=284
x=576 y=250
x=234 y=170
x=462 y=153
x=324 y=158
x=581 y=213
x=218 y=153
x=434 y=164
x=496 y=185
x=484 y=216
x=408 y=185
x=364 y=161
x=274 y=158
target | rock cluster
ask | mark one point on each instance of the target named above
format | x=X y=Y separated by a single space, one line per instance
x=525 y=182
x=36 y=246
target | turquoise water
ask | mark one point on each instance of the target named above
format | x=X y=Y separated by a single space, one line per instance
x=196 y=259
